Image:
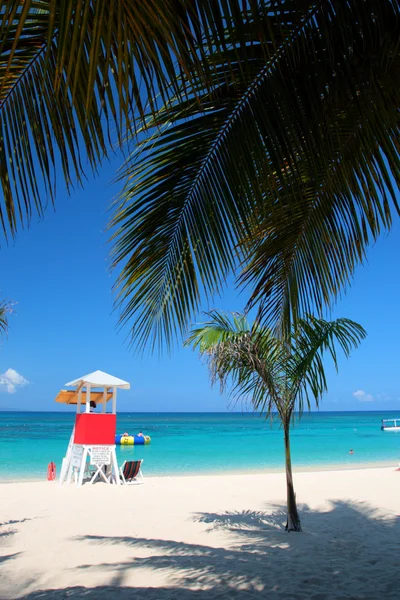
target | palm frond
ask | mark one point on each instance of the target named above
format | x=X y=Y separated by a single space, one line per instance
x=252 y=361
x=73 y=71
x=288 y=161
x=311 y=340
x=219 y=329
x=5 y=310
x=171 y=231
x=302 y=254
x=274 y=374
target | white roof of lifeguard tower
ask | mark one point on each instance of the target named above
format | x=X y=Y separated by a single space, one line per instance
x=100 y=379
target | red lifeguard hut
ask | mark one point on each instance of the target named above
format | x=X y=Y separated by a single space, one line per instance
x=91 y=450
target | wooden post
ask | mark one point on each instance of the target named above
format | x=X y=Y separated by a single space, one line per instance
x=114 y=400
x=83 y=465
x=88 y=397
x=66 y=463
x=69 y=474
x=104 y=400
x=78 y=406
x=115 y=466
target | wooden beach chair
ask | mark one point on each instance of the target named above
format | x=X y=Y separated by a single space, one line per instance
x=131 y=472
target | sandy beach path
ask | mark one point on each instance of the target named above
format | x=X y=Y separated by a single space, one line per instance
x=203 y=538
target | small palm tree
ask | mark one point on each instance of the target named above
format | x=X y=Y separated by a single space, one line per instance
x=279 y=376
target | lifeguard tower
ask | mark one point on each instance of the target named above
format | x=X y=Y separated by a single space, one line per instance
x=91 y=450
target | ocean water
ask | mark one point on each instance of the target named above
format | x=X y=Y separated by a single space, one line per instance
x=195 y=443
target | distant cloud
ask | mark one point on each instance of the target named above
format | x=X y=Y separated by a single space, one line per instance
x=11 y=380
x=383 y=396
x=363 y=396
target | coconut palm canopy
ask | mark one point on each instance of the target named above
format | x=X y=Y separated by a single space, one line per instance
x=270 y=140
x=285 y=171
x=73 y=71
x=275 y=375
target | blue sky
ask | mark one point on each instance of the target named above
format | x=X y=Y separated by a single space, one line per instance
x=64 y=325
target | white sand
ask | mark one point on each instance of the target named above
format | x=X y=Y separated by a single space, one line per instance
x=203 y=538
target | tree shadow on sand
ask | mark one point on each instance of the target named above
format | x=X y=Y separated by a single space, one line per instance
x=7 y=557
x=6 y=532
x=6 y=529
x=262 y=561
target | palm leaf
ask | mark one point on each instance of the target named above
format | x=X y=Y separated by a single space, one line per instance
x=274 y=375
x=251 y=359
x=288 y=162
x=5 y=310
x=311 y=340
x=74 y=74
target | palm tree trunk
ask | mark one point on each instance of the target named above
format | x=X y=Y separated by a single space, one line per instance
x=293 y=519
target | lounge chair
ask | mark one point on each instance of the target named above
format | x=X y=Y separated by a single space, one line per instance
x=131 y=472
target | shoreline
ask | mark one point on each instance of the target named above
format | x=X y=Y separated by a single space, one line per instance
x=297 y=470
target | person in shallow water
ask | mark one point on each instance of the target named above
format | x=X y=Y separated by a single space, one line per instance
x=351 y=451
x=140 y=434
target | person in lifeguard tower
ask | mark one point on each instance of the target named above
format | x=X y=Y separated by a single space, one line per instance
x=93 y=406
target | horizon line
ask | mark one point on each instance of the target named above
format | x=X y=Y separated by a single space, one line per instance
x=199 y=412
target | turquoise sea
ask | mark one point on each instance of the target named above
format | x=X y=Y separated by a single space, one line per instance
x=190 y=443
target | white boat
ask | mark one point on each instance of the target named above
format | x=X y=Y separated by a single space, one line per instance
x=390 y=425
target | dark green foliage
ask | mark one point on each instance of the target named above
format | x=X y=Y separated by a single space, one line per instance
x=284 y=167
x=73 y=72
x=269 y=141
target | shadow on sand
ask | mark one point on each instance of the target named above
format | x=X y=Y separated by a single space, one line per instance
x=6 y=529
x=262 y=561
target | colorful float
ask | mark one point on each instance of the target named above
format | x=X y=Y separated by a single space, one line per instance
x=132 y=440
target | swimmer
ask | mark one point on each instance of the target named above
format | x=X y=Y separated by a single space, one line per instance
x=351 y=451
x=140 y=434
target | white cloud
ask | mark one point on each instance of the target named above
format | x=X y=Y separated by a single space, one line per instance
x=363 y=396
x=383 y=397
x=11 y=380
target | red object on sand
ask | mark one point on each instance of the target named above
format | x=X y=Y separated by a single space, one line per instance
x=51 y=471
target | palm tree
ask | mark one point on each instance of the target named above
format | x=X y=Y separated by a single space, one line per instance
x=277 y=376
x=282 y=168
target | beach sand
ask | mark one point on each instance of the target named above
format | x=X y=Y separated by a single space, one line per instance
x=203 y=538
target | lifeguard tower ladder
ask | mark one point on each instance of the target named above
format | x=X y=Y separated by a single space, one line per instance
x=91 y=449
